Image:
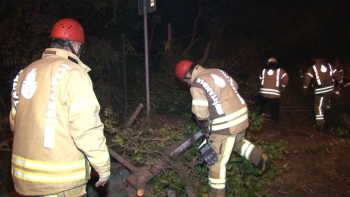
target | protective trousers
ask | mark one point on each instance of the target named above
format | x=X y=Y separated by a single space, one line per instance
x=223 y=145
x=74 y=192
x=320 y=103
x=274 y=106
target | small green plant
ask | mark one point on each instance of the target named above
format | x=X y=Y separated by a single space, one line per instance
x=144 y=145
x=242 y=176
x=255 y=120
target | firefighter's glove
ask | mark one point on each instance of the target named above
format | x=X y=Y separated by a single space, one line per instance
x=103 y=179
x=204 y=125
x=208 y=155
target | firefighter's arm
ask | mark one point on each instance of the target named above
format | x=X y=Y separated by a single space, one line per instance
x=86 y=126
x=284 y=79
x=308 y=76
x=12 y=116
x=199 y=104
x=337 y=76
x=200 y=109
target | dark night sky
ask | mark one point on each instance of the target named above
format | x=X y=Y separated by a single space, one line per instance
x=284 y=28
x=294 y=27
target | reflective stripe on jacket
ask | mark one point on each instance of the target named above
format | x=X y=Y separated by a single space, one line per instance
x=56 y=125
x=216 y=98
x=323 y=75
x=272 y=81
x=39 y=171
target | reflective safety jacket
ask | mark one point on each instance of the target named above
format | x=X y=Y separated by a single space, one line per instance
x=56 y=125
x=323 y=76
x=272 y=82
x=215 y=98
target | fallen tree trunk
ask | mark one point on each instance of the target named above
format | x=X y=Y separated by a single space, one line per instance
x=134 y=115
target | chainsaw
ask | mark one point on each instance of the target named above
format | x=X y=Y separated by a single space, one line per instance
x=186 y=144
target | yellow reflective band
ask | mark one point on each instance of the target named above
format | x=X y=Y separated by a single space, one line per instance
x=230 y=116
x=217 y=183
x=246 y=149
x=265 y=92
x=325 y=88
x=230 y=142
x=269 y=89
x=53 y=178
x=54 y=195
x=40 y=165
x=229 y=124
x=200 y=102
x=84 y=104
x=101 y=159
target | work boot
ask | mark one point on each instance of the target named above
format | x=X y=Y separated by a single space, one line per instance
x=264 y=163
x=319 y=127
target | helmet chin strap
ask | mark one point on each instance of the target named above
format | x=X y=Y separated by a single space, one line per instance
x=188 y=74
x=186 y=77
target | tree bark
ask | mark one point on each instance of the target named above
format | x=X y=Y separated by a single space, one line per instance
x=134 y=115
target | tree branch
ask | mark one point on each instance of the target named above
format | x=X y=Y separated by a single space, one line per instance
x=206 y=52
x=245 y=68
x=197 y=22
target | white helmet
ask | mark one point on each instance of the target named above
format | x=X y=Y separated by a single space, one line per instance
x=272 y=59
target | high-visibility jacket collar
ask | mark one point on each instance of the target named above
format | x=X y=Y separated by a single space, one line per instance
x=66 y=54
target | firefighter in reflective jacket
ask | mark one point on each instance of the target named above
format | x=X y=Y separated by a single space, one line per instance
x=223 y=116
x=55 y=120
x=273 y=81
x=323 y=84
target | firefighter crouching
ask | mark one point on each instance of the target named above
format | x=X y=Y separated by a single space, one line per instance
x=223 y=117
x=323 y=77
x=55 y=120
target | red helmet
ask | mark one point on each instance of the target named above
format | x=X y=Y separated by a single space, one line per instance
x=68 y=29
x=181 y=68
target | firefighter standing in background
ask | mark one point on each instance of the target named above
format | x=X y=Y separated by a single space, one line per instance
x=55 y=120
x=273 y=81
x=338 y=68
x=223 y=117
x=323 y=84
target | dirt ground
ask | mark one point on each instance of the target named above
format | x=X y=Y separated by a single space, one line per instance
x=319 y=160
